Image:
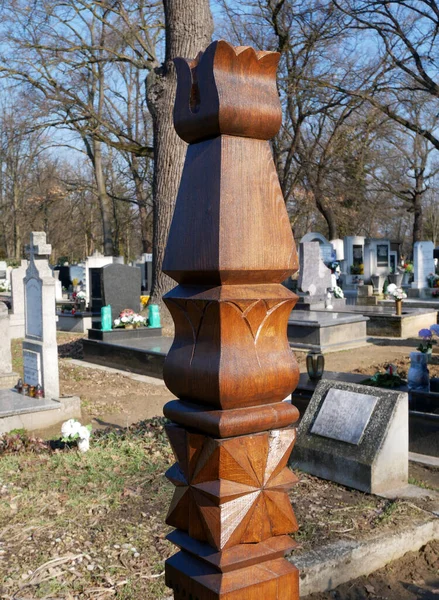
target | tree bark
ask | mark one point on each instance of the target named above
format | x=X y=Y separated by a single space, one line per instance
x=327 y=213
x=189 y=28
x=418 y=221
x=104 y=200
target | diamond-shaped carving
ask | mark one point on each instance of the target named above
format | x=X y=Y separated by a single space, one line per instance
x=231 y=491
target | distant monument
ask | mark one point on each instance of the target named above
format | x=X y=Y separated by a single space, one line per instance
x=7 y=377
x=38 y=404
x=40 y=349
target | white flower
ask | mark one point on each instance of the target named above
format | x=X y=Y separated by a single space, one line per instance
x=83 y=445
x=391 y=288
x=116 y=322
x=84 y=433
x=124 y=319
x=70 y=428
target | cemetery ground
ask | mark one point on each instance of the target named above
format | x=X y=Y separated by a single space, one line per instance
x=92 y=525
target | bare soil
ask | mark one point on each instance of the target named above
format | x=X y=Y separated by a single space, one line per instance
x=414 y=577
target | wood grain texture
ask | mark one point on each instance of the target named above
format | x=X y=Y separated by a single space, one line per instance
x=222 y=90
x=230 y=246
x=228 y=423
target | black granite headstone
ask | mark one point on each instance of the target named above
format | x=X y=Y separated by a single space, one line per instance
x=64 y=276
x=96 y=290
x=121 y=287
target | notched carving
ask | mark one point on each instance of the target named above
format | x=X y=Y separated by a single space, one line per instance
x=236 y=485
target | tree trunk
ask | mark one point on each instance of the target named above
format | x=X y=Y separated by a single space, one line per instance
x=104 y=200
x=17 y=229
x=189 y=27
x=418 y=221
x=145 y=218
x=327 y=213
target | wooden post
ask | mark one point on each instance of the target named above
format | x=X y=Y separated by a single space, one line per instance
x=230 y=246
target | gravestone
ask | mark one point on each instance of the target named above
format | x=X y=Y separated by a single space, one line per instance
x=64 y=276
x=356 y=436
x=58 y=287
x=3 y=269
x=117 y=285
x=7 y=377
x=145 y=265
x=314 y=275
x=96 y=261
x=17 y=295
x=423 y=263
x=40 y=350
x=327 y=251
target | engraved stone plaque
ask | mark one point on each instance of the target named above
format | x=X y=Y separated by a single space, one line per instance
x=32 y=367
x=344 y=415
x=34 y=310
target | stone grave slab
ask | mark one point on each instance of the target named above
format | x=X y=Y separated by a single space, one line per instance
x=356 y=436
x=23 y=412
x=32 y=367
x=344 y=416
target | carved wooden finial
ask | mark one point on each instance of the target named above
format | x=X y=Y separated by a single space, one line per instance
x=230 y=246
x=227 y=91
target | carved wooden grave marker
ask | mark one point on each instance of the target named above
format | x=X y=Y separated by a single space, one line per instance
x=230 y=246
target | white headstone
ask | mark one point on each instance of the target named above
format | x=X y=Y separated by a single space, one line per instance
x=314 y=275
x=17 y=294
x=32 y=367
x=423 y=263
x=34 y=307
x=40 y=350
x=327 y=251
x=5 y=345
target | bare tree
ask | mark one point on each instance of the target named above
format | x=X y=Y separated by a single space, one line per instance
x=405 y=63
x=188 y=27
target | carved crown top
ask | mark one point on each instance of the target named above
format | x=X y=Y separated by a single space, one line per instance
x=227 y=90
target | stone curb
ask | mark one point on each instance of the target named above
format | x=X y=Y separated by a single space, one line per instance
x=134 y=376
x=423 y=459
x=325 y=569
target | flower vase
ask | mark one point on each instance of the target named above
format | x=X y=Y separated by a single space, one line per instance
x=418 y=377
x=129 y=326
x=398 y=307
x=315 y=365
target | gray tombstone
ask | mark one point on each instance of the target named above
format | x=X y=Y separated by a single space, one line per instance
x=423 y=263
x=355 y=435
x=314 y=275
x=121 y=288
x=17 y=295
x=40 y=349
x=7 y=377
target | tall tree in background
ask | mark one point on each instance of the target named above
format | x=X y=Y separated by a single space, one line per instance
x=189 y=28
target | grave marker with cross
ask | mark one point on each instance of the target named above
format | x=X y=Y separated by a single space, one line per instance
x=40 y=349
